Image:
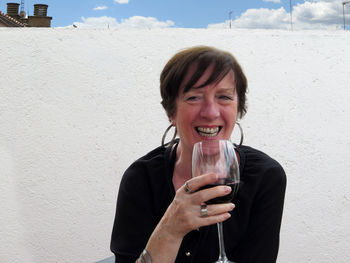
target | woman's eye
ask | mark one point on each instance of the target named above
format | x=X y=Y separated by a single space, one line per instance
x=192 y=98
x=225 y=97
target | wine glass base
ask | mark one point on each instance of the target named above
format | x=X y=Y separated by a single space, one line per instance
x=224 y=261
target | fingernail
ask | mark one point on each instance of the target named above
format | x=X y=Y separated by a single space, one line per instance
x=232 y=206
x=228 y=189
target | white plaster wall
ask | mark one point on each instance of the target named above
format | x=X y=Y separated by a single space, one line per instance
x=78 y=106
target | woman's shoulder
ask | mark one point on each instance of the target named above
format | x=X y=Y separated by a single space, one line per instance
x=154 y=156
x=149 y=162
x=254 y=156
x=257 y=162
x=149 y=177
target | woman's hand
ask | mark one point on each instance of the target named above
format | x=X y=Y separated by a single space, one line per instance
x=184 y=213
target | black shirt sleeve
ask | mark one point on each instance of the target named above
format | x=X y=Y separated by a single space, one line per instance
x=259 y=207
x=145 y=192
x=134 y=219
x=260 y=243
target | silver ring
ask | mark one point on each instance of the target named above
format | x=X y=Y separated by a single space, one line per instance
x=204 y=211
x=187 y=188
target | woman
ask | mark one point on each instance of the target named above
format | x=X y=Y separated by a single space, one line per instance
x=158 y=216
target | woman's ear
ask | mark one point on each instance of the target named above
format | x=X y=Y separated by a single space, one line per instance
x=172 y=121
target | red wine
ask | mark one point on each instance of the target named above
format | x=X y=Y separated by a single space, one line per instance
x=221 y=199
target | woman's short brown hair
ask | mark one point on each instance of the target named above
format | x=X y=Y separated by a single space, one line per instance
x=175 y=70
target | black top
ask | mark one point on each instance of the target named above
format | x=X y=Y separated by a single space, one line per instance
x=251 y=234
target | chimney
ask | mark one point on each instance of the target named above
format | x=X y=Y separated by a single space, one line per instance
x=40 y=18
x=12 y=10
x=40 y=10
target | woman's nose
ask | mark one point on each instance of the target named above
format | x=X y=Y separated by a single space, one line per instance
x=210 y=110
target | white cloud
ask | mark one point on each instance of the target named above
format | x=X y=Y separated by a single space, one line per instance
x=320 y=12
x=145 y=22
x=132 y=22
x=326 y=14
x=97 y=8
x=273 y=1
x=263 y=18
x=97 y=22
x=122 y=1
x=220 y=25
x=259 y=18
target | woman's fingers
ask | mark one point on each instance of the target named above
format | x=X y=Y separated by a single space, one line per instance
x=199 y=181
x=211 y=193
x=202 y=188
x=188 y=210
x=214 y=219
x=219 y=209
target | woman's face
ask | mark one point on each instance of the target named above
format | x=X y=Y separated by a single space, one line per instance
x=207 y=113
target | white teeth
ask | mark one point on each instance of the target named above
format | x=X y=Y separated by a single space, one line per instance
x=208 y=132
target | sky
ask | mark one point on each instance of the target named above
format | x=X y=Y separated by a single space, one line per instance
x=256 y=14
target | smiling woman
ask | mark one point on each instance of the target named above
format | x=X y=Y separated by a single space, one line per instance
x=205 y=101
x=163 y=214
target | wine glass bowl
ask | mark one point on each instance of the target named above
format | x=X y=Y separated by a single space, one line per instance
x=217 y=156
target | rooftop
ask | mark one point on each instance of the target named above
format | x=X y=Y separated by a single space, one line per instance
x=9 y=21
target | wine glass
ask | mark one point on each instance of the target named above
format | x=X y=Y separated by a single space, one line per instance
x=217 y=156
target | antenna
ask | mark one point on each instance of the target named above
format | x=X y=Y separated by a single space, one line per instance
x=291 y=14
x=344 y=3
x=22 y=5
x=22 y=13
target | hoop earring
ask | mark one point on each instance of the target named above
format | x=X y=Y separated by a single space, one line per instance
x=172 y=139
x=242 y=135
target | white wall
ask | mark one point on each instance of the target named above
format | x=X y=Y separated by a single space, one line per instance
x=78 y=106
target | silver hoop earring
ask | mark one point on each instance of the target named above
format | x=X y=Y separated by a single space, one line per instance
x=172 y=139
x=242 y=135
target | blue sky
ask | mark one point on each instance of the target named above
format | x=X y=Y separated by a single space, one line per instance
x=323 y=14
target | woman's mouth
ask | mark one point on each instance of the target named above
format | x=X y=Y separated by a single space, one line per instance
x=208 y=131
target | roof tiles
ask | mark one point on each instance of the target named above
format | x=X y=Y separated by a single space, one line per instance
x=10 y=21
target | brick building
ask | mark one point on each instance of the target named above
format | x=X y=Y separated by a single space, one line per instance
x=14 y=18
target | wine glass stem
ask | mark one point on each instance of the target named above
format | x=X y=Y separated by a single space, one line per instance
x=222 y=255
